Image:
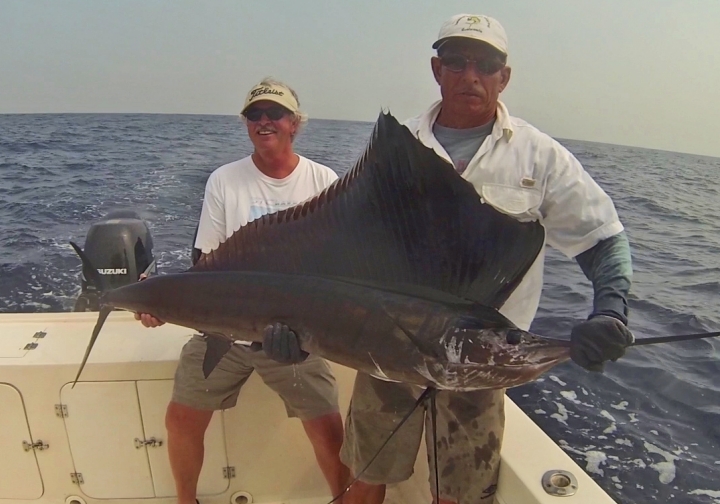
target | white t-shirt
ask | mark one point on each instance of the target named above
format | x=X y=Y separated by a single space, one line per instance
x=528 y=175
x=238 y=193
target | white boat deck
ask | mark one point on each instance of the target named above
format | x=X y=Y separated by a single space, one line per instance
x=103 y=441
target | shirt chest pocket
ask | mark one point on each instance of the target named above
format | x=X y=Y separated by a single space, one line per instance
x=522 y=203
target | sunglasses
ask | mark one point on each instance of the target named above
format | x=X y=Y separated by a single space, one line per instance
x=274 y=113
x=458 y=63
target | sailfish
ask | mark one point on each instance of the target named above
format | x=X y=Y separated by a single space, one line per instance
x=398 y=269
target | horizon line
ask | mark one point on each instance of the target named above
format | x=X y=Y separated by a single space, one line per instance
x=558 y=138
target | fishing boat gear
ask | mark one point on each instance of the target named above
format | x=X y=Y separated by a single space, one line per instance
x=119 y=247
x=675 y=337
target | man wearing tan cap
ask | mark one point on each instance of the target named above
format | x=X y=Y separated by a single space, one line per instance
x=274 y=177
x=527 y=175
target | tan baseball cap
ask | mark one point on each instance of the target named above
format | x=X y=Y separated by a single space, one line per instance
x=475 y=27
x=275 y=93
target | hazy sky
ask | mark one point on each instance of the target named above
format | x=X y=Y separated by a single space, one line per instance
x=632 y=72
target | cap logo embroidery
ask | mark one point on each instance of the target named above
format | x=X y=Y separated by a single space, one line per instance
x=265 y=90
x=471 y=22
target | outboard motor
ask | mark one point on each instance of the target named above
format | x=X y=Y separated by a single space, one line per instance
x=120 y=247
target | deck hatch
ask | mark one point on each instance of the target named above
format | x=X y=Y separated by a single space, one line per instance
x=20 y=478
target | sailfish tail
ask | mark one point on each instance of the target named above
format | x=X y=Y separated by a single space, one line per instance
x=92 y=276
x=104 y=312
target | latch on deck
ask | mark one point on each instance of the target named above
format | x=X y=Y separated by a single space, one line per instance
x=152 y=443
x=38 y=445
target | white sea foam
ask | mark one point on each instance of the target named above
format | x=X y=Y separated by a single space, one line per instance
x=610 y=428
x=557 y=380
x=607 y=415
x=640 y=463
x=715 y=494
x=562 y=414
x=594 y=460
x=570 y=395
x=665 y=469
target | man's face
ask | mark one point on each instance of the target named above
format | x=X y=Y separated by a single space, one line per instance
x=469 y=94
x=270 y=126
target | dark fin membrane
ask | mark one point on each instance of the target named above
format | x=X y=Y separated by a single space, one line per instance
x=401 y=215
x=104 y=312
x=217 y=347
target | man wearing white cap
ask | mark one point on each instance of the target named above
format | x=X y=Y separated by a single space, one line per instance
x=274 y=177
x=528 y=175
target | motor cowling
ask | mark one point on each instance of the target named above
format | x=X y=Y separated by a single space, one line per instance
x=119 y=247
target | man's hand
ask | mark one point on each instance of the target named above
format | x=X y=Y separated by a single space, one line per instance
x=600 y=339
x=148 y=320
x=145 y=318
x=282 y=345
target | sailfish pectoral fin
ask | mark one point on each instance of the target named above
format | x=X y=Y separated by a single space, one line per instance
x=217 y=347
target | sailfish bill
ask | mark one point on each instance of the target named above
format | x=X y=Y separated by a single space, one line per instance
x=398 y=269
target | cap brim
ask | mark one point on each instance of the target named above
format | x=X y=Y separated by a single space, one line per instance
x=270 y=98
x=441 y=41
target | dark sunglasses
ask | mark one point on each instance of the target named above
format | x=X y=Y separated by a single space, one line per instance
x=274 y=113
x=458 y=63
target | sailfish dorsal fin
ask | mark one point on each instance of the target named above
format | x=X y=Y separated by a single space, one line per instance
x=401 y=216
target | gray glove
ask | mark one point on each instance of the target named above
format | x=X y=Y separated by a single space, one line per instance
x=282 y=344
x=597 y=340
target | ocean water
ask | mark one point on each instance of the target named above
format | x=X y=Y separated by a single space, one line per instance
x=648 y=429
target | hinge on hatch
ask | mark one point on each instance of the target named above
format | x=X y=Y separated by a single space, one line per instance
x=38 y=445
x=31 y=346
x=61 y=410
x=39 y=334
x=228 y=472
x=152 y=442
x=77 y=478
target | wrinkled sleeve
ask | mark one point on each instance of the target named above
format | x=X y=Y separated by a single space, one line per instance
x=608 y=265
x=212 y=226
x=576 y=212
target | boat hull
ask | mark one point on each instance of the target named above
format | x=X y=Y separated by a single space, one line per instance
x=104 y=440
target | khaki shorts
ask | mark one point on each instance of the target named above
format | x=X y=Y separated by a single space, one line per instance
x=308 y=389
x=469 y=434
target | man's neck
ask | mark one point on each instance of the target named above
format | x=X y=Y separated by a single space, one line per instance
x=277 y=165
x=463 y=121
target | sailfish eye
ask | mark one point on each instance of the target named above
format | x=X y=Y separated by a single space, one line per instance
x=514 y=337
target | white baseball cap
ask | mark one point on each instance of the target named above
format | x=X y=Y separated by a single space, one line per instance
x=275 y=93
x=475 y=27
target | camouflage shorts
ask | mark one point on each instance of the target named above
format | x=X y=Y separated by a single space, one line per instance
x=469 y=434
